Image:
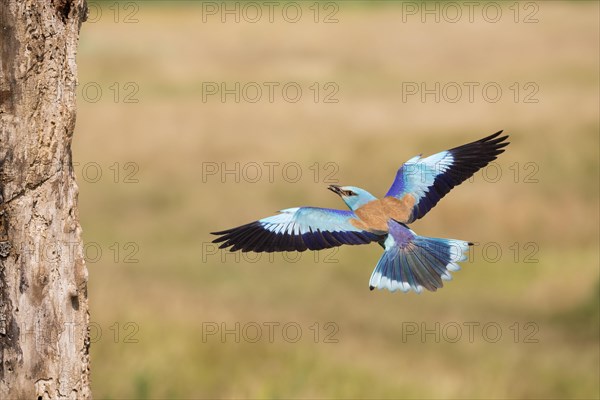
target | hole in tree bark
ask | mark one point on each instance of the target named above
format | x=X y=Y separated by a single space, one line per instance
x=63 y=7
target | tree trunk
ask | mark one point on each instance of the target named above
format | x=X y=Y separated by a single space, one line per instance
x=44 y=316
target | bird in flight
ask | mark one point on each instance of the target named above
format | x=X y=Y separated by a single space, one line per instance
x=409 y=261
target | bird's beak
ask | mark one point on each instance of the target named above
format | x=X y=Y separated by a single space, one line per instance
x=335 y=189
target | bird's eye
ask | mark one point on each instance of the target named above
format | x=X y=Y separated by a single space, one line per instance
x=350 y=193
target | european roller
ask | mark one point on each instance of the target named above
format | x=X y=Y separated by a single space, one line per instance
x=409 y=261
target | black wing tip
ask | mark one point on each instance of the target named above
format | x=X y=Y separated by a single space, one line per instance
x=494 y=135
x=488 y=145
x=237 y=228
x=485 y=150
x=471 y=244
x=371 y=287
x=493 y=138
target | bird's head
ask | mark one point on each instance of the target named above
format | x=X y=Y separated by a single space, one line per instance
x=354 y=197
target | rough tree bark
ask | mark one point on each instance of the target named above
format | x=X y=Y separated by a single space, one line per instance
x=44 y=339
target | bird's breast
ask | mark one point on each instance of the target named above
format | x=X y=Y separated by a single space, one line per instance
x=374 y=215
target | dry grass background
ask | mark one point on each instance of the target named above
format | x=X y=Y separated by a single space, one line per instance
x=176 y=287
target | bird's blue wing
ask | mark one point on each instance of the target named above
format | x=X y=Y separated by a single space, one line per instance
x=296 y=229
x=412 y=262
x=429 y=179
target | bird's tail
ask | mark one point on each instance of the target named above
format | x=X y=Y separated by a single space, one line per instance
x=416 y=262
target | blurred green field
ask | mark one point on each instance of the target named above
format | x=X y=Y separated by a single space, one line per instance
x=158 y=285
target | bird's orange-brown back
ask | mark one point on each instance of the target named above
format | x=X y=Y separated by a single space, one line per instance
x=374 y=216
